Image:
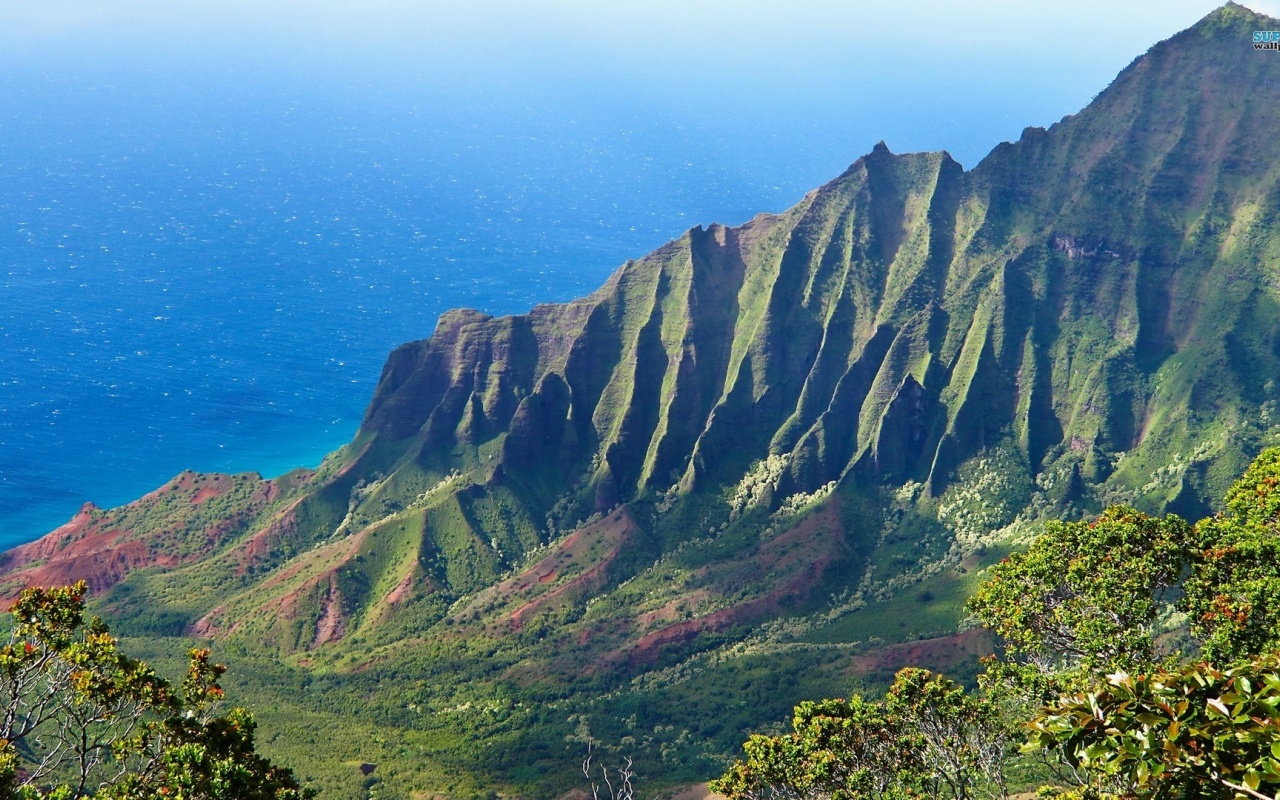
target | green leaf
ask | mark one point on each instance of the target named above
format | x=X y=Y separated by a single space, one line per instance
x=1252 y=780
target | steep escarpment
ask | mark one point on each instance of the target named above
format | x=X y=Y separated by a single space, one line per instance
x=797 y=437
x=1087 y=303
x=712 y=352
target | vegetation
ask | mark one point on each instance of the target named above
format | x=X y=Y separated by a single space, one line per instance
x=1082 y=672
x=927 y=738
x=1087 y=595
x=1233 y=596
x=80 y=718
x=1194 y=731
x=769 y=463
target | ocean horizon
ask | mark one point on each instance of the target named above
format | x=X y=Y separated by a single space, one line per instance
x=205 y=268
x=211 y=281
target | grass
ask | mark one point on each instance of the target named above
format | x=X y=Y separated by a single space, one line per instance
x=933 y=607
x=1139 y=385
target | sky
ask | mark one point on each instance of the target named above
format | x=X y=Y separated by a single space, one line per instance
x=909 y=73
x=695 y=32
x=548 y=139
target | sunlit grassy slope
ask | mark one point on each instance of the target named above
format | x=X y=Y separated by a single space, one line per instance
x=760 y=464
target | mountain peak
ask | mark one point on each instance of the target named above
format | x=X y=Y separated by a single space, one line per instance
x=1232 y=17
x=1234 y=10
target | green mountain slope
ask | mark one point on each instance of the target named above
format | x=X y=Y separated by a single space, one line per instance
x=755 y=459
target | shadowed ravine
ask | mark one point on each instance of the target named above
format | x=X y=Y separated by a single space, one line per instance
x=798 y=437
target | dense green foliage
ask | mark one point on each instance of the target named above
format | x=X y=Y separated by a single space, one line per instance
x=1233 y=596
x=928 y=738
x=1080 y=614
x=80 y=718
x=1187 y=729
x=1087 y=595
x=767 y=463
x=838 y=748
x=1196 y=731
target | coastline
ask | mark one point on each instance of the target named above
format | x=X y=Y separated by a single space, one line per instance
x=35 y=520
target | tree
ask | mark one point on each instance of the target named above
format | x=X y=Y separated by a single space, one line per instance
x=80 y=718
x=1086 y=596
x=962 y=738
x=617 y=786
x=1078 y=611
x=1078 y=614
x=927 y=738
x=1233 y=593
x=839 y=749
x=1197 y=731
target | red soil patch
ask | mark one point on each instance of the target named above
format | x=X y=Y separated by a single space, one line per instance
x=286 y=606
x=671 y=611
x=939 y=654
x=795 y=561
x=416 y=579
x=588 y=581
x=594 y=547
x=612 y=533
x=47 y=546
x=204 y=627
x=204 y=494
x=646 y=650
x=103 y=547
x=257 y=547
x=332 y=626
x=101 y=570
x=401 y=593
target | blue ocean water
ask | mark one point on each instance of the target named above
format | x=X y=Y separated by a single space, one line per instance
x=196 y=277
x=206 y=270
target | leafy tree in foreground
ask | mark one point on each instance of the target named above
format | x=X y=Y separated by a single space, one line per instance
x=79 y=718
x=928 y=738
x=962 y=738
x=1233 y=593
x=839 y=749
x=1086 y=596
x=1078 y=615
x=1193 y=732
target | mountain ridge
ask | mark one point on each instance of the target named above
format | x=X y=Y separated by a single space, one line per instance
x=761 y=439
x=885 y=328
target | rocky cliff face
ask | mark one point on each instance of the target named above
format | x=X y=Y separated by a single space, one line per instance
x=1090 y=315
x=1099 y=293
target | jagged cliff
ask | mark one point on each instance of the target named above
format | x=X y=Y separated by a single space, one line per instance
x=1101 y=287
x=1093 y=300
x=793 y=418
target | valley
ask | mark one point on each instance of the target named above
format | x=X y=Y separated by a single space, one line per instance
x=762 y=464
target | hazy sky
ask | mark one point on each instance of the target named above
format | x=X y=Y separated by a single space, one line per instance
x=906 y=72
x=717 y=38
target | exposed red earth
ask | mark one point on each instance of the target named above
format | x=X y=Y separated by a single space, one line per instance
x=102 y=547
x=940 y=654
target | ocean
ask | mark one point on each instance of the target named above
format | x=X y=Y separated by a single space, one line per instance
x=195 y=277
x=207 y=273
